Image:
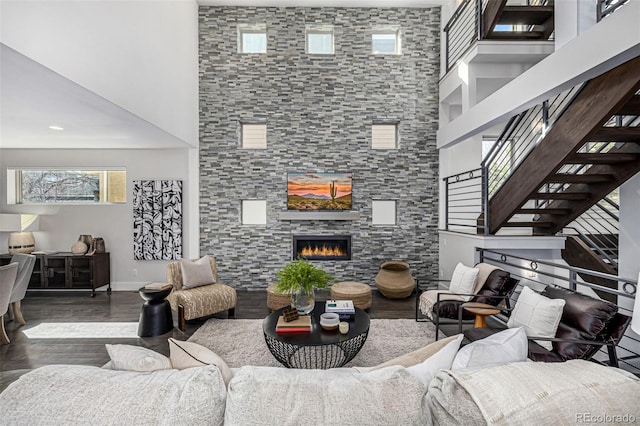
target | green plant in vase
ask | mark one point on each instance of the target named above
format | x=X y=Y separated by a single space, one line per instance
x=301 y=278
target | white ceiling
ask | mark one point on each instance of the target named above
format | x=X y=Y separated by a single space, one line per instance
x=32 y=98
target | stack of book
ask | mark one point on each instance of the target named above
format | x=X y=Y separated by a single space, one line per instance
x=157 y=286
x=344 y=308
x=300 y=325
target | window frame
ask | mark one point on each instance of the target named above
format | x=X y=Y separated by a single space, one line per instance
x=242 y=134
x=319 y=30
x=386 y=31
x=396 y=126
x=15 y=182
x=252 y=29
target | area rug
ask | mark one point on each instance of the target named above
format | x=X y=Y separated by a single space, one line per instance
x=241 y=342
x=83 y=330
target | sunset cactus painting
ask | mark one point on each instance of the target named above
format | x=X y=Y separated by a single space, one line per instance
x=319 y=191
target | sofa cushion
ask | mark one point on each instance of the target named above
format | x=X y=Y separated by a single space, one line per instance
x=583 y=317
x=188 y=354
x=538 y=314
x=492 y=288
x=535 y=351
x=440 y=360
x=196 y=274
x=529 y=393
x=71 y=395
x=279 y=396
x=506 y=346
x=136 y=358
x=463 y=280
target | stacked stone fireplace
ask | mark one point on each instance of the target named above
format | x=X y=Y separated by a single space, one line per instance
x=321 y=247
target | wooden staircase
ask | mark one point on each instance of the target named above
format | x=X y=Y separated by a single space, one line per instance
x=525 y=22
x=561 y=160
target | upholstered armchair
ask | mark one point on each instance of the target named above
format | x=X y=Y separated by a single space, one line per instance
x=491 y=286
x=196 y=295
x=26 y=262
x=8 y=274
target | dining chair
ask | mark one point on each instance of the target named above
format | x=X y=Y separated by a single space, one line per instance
x=8 y=274
x=26 y=262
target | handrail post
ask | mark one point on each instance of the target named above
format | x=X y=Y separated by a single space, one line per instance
x=545 y=117
x=485 y=199
x=479 y=19
x=573 y=280
x=446 y=204
x=446 y=50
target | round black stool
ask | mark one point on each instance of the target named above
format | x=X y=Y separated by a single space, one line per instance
x=155 y=317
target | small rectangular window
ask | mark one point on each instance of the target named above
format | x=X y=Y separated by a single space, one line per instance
x=254 y=212
x=67 y=186
x=384 y=136
x=386 y=42
x=254 y=136
x=320 y=40
x=252 y=39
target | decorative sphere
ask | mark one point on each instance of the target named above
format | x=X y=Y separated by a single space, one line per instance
x=79 y=247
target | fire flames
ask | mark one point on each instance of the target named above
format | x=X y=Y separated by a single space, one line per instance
x=325 y=250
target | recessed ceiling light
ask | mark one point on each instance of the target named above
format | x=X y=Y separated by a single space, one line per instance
x=56 y=128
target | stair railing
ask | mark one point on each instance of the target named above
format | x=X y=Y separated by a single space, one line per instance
x=464 y=28
x=607 y=7
x=599 y=228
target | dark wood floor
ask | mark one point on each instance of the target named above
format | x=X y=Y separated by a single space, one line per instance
x=23 y=353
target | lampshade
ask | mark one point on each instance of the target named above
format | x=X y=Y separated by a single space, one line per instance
x=635 y=318
x=21 y=226
x=18 y=222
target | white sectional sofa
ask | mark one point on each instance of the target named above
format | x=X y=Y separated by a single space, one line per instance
x=516 y=393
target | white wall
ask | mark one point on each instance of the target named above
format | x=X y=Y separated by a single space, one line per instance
x=60 y=226
x=140 y=55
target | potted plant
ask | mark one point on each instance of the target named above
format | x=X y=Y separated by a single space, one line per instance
x=301 y=278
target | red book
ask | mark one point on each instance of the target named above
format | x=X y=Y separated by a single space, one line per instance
x=293 y=330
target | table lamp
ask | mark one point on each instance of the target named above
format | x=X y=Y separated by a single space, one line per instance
x=635 y=316
x=21 y=226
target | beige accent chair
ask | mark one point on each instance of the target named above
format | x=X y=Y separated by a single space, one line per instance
x=26 y=262
x=8 y=274
x=200 y=301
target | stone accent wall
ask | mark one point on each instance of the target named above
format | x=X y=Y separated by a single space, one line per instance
x=319 y=110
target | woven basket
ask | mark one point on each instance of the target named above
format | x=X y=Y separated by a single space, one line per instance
x=394 y=279
x=275 y=300
x=359 y=293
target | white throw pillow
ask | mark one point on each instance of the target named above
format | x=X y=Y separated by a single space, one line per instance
x=538 y=314
x=136 y=358
x=196 y=274
x=441 y=360
x=504 y=347
x=188 y=354
x=463 y=280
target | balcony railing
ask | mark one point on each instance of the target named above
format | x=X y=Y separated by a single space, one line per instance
x=537 y=273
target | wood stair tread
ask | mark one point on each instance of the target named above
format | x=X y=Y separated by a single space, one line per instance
x=550 y=211
x=601 y=158
x=582 y=178
x=571 y=196
x=616 y=134
x=532 y=224
x=525 y=15
x=515 y=35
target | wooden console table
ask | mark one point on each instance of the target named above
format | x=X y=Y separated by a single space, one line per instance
x=68 y=271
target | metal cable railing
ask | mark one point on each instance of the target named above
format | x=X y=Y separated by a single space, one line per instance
x=538 y=273
x=607 y=7
x=463 y=201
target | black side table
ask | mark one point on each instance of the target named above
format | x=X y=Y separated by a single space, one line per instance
x=155 y=317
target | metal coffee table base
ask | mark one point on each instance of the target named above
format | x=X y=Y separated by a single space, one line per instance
x=316 y=356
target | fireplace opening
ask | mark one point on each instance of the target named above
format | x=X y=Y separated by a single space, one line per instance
x=320 y=247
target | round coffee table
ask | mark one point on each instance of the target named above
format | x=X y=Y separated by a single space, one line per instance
x=320 y=348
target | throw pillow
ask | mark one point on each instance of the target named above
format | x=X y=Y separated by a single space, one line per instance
x=136 y=358
x=196 y=274
x=538 y=315
x=463 y=280
x=504 y=347
x=441 y=360
x=188 y=354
